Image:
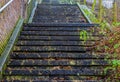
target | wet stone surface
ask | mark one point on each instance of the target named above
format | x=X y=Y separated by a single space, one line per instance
x=59 y=14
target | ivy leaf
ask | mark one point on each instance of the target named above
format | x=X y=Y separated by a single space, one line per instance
x=116 y=46
x=116 y=63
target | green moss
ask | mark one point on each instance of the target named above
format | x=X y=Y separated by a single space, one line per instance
x=91 y=16
x=4 y=43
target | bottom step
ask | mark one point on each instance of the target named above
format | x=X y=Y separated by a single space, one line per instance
x=52 y=81
x=45 y=78
x=57 y=79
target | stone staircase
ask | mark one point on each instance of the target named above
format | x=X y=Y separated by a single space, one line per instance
x=50 y=48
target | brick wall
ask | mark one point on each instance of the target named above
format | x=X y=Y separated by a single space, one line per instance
x=9 y=17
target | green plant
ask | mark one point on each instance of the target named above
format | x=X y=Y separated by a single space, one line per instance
x=100 y=10
x=84 y=2
x=115 y=12
x=93 y=6
x=116 y=24
x=115 y=63
x=116 y=45
x=103 y=25
x=84 y=35
x=91 y=16
x=113 y=68
x=111 y=40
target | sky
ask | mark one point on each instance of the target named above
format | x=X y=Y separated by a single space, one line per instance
x=106 y=3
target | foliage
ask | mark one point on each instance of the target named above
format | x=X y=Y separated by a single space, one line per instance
x=116 y=63
x=100 y=10
x=111 y=43
x=65 y=1
x=84 y=2
x=84 y=35
x=116 y=24
x=93 y=6
x=91 y=16
x=115 y=12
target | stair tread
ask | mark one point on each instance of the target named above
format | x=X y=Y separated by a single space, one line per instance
x=54 y=62
x=57 y=33
x=48 y=77
x=52 y=8
x=53 y=18
x=68 y=15
x=56 y=67
x=57 y=4
x=62 y=25
x=58 y=55
x=55 y=43
x=63 y=13
x=89 y=29
x=59 y=20
x=52 y=48
x=62 y=5
x=53 y=80
x=41 y=72
x=68 y=38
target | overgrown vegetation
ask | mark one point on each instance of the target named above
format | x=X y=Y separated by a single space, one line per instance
x=111 y=43
x=4 y=43
x=84 y=35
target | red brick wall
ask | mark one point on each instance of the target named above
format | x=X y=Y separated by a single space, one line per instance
x=9 y=17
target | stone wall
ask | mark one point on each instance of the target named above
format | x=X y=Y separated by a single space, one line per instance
x=9 y=17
